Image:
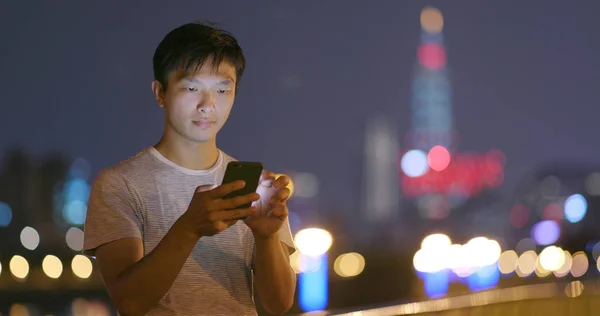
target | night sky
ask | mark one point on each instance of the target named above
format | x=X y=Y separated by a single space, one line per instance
x=76 y=78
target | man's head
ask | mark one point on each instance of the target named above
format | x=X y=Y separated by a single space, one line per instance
x=197 y=69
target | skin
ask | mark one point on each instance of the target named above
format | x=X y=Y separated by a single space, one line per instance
x=196 y=107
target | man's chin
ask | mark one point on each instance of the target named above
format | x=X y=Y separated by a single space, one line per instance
x=202 y=139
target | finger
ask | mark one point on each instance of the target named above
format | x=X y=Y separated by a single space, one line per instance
x=280 y=196
x=279 y=211
x=231 y=203
x=282 y=181
x=226 y=188
x=234 y=215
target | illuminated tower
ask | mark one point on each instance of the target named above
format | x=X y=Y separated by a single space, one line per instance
x=432 y=172
x=380 y=201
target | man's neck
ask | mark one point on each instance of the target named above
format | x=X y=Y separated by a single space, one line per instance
x=190 y=155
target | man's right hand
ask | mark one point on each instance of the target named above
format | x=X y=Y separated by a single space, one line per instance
x=209 y=214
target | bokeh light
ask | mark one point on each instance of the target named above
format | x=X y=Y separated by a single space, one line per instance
x=552 y=258
x=81 y=266
x=507 y=263
x=5 y=214
x=545 y=232
x=432 y=20
x=432 y=56
x=313 y=241
x=553 y=211
x=18 y=310
x=436 y=241
x=349 y=264
x=575 y=208
x=526 y=263
x=566 y=267
x=52 y=266
x=74 y=197
x=438 y=158
x=580 y=264
x=19 y=267
x=30 y=238
x=414 y=163
x=74 y=238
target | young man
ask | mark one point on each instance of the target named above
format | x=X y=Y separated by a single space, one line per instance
x=165 y=240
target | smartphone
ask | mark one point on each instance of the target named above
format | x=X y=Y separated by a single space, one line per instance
x=247 y=171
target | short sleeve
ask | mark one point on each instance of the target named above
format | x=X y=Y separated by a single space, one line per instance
x=111 y=213
x=285 y=236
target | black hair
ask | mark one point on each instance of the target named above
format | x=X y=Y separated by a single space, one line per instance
x=186 y=49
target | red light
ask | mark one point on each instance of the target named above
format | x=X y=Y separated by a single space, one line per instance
x=466 y=176
x=438 y=158
x=432 y=56
x=553 y=212
x=519 y=216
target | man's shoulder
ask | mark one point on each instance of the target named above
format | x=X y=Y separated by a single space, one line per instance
x=129 y=168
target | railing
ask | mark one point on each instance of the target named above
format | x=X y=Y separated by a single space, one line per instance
x=550 y=299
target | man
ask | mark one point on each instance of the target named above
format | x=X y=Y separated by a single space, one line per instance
x=165 y=240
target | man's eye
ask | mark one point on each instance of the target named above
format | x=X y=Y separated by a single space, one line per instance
x=191 y=89
x=222 y=91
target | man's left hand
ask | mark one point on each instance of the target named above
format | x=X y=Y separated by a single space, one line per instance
x=272 y=206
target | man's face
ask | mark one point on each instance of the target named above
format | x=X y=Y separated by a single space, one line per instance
x=198 y=105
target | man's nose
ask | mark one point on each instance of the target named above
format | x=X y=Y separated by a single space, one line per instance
x=207 y=104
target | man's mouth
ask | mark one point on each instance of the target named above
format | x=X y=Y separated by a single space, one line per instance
x=204 y=123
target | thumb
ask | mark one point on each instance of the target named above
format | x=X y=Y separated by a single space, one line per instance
x=205 y=187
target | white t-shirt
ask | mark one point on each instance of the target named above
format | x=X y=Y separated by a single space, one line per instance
x=141 y=198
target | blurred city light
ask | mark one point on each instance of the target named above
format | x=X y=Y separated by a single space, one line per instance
x=349 y=264
x=52 y=266
x=507 y=263
x=19 y=267
x=30 y=239
x=313 y=241
x=313 y=244
x=414 y=163
x=81 y=266
x=545 y=232
x=5 y=214
x=74 y=238
x=575 y=208
x=552 y=258
x=432 y=20
x=580 y=264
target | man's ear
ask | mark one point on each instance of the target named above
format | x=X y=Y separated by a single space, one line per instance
x=159 y=93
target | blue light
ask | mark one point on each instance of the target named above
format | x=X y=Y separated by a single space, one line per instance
x=545 y=232
x=575 y=208
x=74 y=212
x=77 y=189
x=436 y=284
x=5 y=214
x=312 y=285
x=485 y=278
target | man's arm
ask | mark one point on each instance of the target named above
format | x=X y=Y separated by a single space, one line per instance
x=136 y=282
x=275 y=279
